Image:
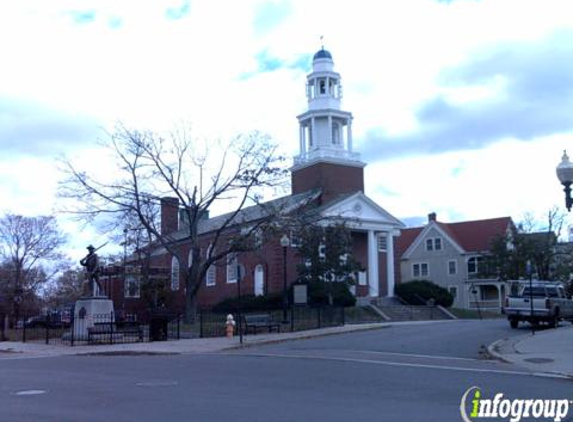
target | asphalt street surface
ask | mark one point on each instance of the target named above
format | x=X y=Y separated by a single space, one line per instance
x=402 y=373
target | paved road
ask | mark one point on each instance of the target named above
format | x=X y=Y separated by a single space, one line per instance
x=410 y=373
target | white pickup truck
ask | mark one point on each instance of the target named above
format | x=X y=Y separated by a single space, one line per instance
x=550 y=305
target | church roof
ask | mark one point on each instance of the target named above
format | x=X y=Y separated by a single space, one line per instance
x=322 y=54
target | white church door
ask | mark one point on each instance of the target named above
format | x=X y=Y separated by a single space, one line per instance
x=259 y=280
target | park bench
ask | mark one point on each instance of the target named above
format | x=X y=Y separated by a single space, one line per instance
x=102 y=332
x=254 y=322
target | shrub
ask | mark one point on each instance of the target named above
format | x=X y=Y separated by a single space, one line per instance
x=416 y=291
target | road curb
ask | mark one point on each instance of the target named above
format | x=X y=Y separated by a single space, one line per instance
x=492 y=351
x=304 y=337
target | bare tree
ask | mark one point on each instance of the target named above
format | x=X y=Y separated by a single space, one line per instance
x=150 y=167
x=29 y=249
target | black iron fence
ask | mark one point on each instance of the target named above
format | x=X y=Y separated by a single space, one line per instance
x=108 y=328
x=213 y=324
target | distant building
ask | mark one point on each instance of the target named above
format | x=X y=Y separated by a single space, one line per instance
x=451 y=255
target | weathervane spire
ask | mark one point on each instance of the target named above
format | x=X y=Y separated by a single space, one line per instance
x=322 y=42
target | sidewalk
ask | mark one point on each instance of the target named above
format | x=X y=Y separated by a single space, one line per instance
x=185 y=346
x=548 y=351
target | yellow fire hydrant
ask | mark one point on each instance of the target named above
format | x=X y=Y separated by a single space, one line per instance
x=230 y=326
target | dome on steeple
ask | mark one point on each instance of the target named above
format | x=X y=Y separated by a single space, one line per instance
x=322 y=54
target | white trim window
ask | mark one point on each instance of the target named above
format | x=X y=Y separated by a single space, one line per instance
x=452 y=267
x=420 y=269
x=295 y=239
x=429 y=245
x=211 y=274
x=434 y=244
x=453 y=291
x=232 y=268
x=132 y=288
x=474 y=264
x=174 y=274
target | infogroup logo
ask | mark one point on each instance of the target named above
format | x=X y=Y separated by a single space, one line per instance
x=474 y=407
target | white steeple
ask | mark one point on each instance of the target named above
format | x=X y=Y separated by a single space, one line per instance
x=325 y=130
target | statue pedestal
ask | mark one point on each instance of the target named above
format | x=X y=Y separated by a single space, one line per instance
x=91 y=311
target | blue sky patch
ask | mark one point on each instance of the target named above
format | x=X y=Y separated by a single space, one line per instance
x=178 y=12
x=270 y=15
x=83 y=16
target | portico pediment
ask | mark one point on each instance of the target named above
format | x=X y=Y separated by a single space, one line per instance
x=359 y=211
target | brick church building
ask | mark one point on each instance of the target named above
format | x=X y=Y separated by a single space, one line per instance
x=328 y=175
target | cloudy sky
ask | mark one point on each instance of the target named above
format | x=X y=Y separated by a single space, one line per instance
x=461 y=107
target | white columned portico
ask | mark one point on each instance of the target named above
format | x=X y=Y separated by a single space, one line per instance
x=373 y=279
x=390 y=263
x=349 y=135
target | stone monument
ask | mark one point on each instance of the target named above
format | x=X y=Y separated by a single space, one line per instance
x=94 y=307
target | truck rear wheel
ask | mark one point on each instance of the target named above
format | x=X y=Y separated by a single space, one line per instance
x=513 y=323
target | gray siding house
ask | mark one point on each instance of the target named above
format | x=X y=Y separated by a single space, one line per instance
x=451 y=255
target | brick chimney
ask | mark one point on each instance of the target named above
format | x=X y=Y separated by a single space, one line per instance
x=432 y=217
x=169 y=215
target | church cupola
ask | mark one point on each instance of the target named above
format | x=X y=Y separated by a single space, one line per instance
x=325 y=133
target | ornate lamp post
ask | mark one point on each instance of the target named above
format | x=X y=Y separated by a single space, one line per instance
x=285 y=242
x=565 y=176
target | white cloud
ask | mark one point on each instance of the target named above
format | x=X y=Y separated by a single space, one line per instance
x=128 y=61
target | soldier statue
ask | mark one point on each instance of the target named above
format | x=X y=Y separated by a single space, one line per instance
x=91 y=262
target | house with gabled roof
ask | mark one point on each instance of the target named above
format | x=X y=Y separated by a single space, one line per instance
x=452 y=255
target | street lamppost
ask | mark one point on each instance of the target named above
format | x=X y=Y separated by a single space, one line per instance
x=285 y=242
x=565 y=176
x=529 y=271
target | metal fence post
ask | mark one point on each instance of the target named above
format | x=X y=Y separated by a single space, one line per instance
x=200 y=323
x=179 y=327
x=343 y=315
x=111 y=319
x=292 y=318
x=318 y=316
x=23 y=330
x=72 y=328
x=48 y=331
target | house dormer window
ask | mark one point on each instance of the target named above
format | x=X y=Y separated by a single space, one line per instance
x=434 y=244
x=429 y=244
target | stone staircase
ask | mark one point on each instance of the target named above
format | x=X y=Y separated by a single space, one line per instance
x=396 y=310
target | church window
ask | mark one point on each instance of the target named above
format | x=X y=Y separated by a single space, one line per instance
x=210 y=277
x=174 y=274
x=232 y=270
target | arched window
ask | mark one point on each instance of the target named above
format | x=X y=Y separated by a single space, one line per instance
x=211 y=276
x=232 y=268
x=174 y=274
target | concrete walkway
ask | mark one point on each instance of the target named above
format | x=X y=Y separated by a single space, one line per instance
x=548 y=351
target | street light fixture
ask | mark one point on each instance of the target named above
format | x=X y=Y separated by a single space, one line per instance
x=565 y=176
x=285 y=242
